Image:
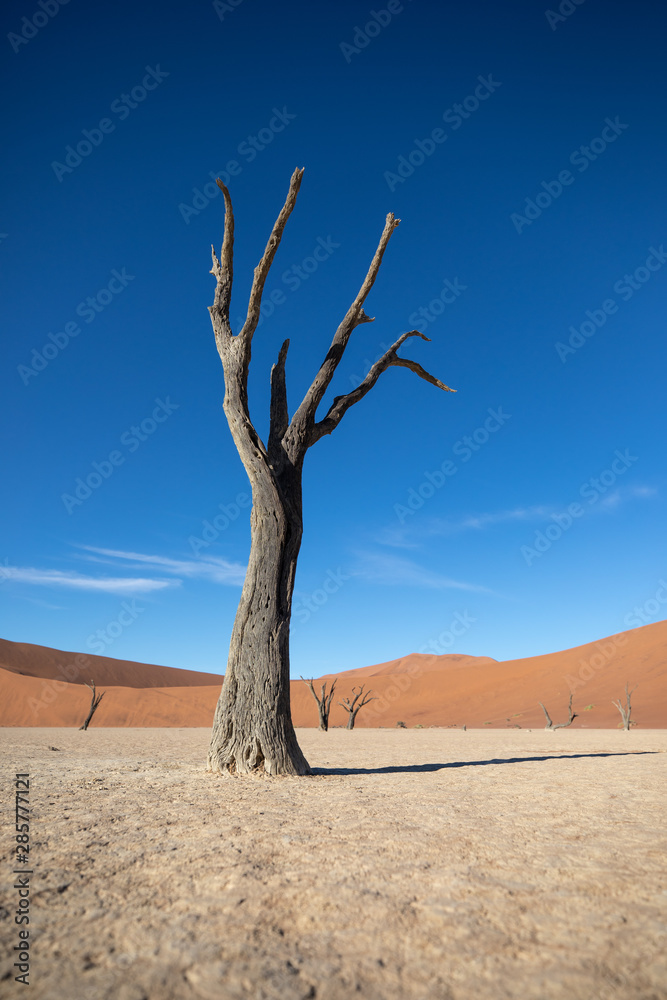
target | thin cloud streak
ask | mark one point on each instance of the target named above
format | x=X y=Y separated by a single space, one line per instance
x=411 y=536
x=210 y=568
x=393 y=571
x=77 y=581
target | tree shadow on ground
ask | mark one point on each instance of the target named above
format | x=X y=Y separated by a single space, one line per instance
x=422 y=768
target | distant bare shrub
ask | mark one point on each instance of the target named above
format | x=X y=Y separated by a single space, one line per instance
x=560 y=725
x=626 y=709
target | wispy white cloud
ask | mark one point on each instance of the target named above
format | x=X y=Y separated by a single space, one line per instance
x=413 y=534
x=210 y=567
x=610 y=501
x=394 y=571
x=410 y=536
x=78 y=581
x=478 y=521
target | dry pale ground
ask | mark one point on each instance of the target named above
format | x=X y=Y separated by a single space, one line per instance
x=414 y=864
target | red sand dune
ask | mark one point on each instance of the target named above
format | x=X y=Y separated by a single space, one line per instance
x=45 y=687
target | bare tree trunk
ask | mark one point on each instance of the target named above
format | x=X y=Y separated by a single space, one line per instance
x=252 y=729
x=323 y=702
x=625 y=710
x=352 y=708
x=95 y=700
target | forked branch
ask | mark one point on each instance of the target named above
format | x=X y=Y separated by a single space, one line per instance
x=289 y=440
x=323 y=702
x=352 y=707
x=355 y=315
x=341 y=404
x=96 y=699
x=560 y=725
x=223 y=268
x=625 y=710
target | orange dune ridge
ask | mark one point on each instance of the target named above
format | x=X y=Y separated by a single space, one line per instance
x=46 y=687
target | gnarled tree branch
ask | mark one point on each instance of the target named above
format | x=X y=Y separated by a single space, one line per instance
x=323 y=702
x=341 y=404
x=305 y=415
x=625 y=710
x=235 y=351
x=223 y=270
x=262 y=269
x=351 y=706
x=560 y=725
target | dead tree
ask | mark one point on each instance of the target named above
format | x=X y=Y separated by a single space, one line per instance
x=560 y=725
x=352 y=707
x=252 y=728
x=323 y=702
x=96 y=699
x=626 y=709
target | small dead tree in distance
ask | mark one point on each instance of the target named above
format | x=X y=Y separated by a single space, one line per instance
x=625 y=710
x=96 y=699
x=349 y=706
x=323 y=702
x=252 y=728
x=560 y=725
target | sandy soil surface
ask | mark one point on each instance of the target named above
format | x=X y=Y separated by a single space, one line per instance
x=414 y=863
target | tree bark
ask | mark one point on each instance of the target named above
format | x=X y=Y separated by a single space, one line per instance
x=253 y=729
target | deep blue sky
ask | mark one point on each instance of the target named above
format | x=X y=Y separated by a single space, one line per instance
x=398 y=578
